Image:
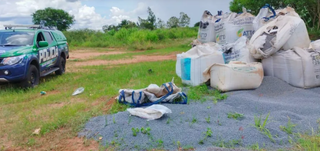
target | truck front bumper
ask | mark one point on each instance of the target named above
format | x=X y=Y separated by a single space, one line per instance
x=12 y=73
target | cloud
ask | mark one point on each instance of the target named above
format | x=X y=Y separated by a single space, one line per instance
x=20 y=11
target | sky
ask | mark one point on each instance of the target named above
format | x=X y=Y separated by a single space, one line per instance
x=93 y=14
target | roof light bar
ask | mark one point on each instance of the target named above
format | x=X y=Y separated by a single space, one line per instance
x=29 y=26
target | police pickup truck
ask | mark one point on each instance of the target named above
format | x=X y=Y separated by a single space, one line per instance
x=28 y=52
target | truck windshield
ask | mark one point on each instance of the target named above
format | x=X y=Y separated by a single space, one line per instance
x=16 y=38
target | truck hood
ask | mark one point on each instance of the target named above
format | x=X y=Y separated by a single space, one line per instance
x=10 y=51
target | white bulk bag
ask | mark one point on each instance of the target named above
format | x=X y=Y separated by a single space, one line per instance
x=206 y=28
x=266 y=16
x=263 y=16
x=235 y=75
x=298 y=67
x=315 y=45
x=190 y=65
x=233 y=26
x=283 y=32
x=238 y=51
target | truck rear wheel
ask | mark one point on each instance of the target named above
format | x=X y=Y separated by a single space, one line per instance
x=33 y=78
x=62 y=66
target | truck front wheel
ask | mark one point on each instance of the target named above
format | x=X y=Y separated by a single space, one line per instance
x=33 y=78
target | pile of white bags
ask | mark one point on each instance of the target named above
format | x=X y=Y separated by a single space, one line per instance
x=235 y=75
x=278 y=37
x=230 y=27
x=191 y=64
x=282 y=42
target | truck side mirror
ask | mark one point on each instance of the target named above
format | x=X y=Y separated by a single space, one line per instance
x=43 y=43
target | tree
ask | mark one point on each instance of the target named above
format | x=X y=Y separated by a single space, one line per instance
x=309 y=10
x=184 y=20
x=54 y=18
x=161 y=23
x=173 y=22
x=197 y=24
x=150 y=22
x=107 y=28
x=127 y=24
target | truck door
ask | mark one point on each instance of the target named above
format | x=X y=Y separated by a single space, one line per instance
x=47 y=55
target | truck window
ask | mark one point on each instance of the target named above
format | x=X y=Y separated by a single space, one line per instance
x=48 y=37
x=40 y=38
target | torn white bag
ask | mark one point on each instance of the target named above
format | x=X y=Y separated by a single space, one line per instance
x=284 y=32
x=235 y=75
x=152 y=112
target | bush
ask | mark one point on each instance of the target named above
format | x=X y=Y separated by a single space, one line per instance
x=131 y=37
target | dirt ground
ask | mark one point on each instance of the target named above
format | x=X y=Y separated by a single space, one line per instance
x=85 y=54
x=135 y=59
x=81 y=57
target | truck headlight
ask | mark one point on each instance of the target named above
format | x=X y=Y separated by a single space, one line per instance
x=12 y=60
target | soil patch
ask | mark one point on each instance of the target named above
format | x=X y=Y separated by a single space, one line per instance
x=86 y=55
x=135 y=59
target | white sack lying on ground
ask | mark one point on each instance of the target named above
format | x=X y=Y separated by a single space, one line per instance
x=298 y=67
x=206 y=28
x=283 y=32
x=233 y=26
x=235 y=75
x=191 y=64
x=150 y=113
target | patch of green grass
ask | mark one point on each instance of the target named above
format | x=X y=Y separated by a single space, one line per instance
x=262 y=126
x=197 y=93
x=288 y=129
x=208 y=119
x=160 y=143
x=135 y=131
x=208 y=132
x=228 y=144
x=307 y=142
x=235 y=115
x=145 y=130
x=255 y=147
x=194 y=120
x=168 y=121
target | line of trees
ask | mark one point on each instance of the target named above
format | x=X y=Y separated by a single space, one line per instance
x=63 y=21
x=309 y=10
x=151 y=22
